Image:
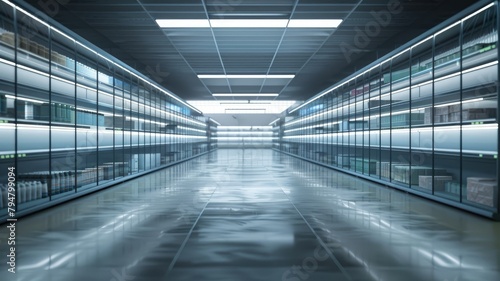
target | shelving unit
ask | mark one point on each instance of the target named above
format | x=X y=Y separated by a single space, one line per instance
x=244 y=137
x=74 y=119
x=424 y=118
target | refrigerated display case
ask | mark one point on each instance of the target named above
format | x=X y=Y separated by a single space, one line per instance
x=423 y=118
x=244 y=137
x=74 y=119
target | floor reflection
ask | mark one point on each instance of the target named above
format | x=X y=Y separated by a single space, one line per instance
x=253 y=215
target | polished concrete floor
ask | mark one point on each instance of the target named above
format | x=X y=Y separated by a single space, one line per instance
x=253 y=215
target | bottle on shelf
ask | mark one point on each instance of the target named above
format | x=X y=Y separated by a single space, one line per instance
x=21 y=192
x=5 y=195
x=3 y=105
x=55 y=183
x=71 y=180
x=1 y=196
x=38 y=190
x=27 y=192
x=45 y=187
x=67 y=181
x=64 y=181
x=62 y=178
x=33 y=190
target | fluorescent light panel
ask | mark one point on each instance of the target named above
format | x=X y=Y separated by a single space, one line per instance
x=244 y=111
x=235 y=102
x=246 y=76
x=321 y=23
x=183 y=23
x=249 y=14
x=248 y=23
x=245 y=95
x=215 y=106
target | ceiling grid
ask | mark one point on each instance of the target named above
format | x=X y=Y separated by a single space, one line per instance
x=127 y=29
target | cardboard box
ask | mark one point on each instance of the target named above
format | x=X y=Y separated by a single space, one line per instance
x=452 y=187
x=410 y=174
x=8 y=38
x=43 y=51
x=343 y=160
x=364 y=165
x=383 y=169
x=439 y=182
x=428 y=115
x=24 y=43
x=33 y=47
x=482 y=191
x=456 y=108
x=443 y=110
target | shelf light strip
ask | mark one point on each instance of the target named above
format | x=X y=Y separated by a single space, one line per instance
x=312 y=126
x=100 y=55
x=478 y=11
x=458 y=102
x=401 y=90
x=25 y=12
x=191 y=129
x=483 y=127
x=389 y=59
x=276 y=120
x=63 y=34
x=7 y=62
x=323 y=113
x=213 y=120
x=105 y=93
x=23 y=99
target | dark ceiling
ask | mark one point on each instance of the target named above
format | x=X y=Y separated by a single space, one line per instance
x=318 y=57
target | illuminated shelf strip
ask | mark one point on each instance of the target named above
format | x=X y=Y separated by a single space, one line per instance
x=301 y=119
x=321 y=94
x=100 y=55
x=100 y=93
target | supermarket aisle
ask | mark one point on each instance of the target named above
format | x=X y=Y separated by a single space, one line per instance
x=253 y=215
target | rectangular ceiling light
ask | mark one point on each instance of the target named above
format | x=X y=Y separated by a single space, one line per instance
x=248 y=23
x=235 y=102
x=225 y=15
x=245 y=95
x=245 y=110
x=305 y=23
x=220 y=106
x=279 y=76
x=183 y=23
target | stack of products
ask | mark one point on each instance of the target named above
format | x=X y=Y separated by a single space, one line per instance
x=3 y=196
x=410 y=174
x=482 y=191
x=60 y=181
x=457 y=113
x=452 y=187
x=366 y=166
x=439 y=182
x=26 y=191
